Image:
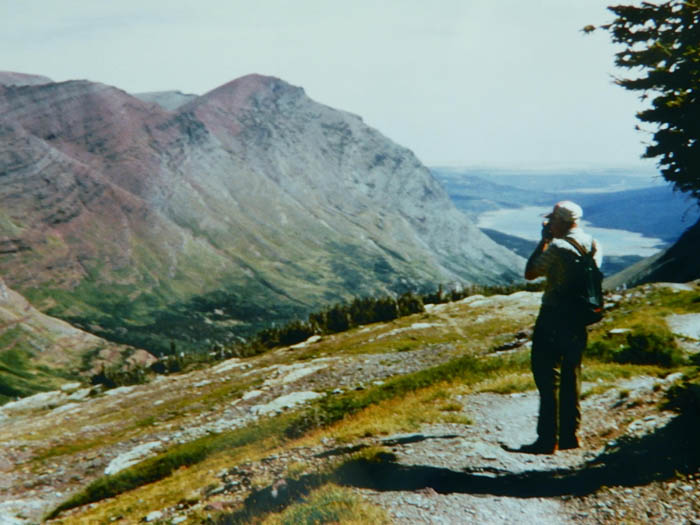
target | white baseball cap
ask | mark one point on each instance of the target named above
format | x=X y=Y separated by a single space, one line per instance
x=566 y=211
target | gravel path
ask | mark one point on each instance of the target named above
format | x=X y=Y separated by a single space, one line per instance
x=453 y=474
x=472 y=456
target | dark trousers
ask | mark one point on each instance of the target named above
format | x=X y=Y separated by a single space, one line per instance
x=557 y=346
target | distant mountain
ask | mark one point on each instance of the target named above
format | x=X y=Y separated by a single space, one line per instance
x=612 y=264
x=9 y=78
x=170 y=100
x=247 y=205
x=561 y=180
x=476 y=194
x=654 y=211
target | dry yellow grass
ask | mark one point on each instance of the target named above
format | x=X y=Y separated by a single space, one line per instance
x=507 y=383
x=406 y=414
x=330 y=504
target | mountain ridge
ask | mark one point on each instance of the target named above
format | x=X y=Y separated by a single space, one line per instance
x=11 y=78
x=251 y=199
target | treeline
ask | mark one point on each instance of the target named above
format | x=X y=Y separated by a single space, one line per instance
x=442 y=296
x=338 y=318
x=362 y=311
x=330 y=320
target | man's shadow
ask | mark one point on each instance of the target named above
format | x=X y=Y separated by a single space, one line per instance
x=672 y=449
x=664 y=454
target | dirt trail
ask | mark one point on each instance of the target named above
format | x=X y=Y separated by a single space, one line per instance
x=452 y=474
x=460 y=473
x=459 y=464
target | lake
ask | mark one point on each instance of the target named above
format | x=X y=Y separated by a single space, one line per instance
x=527 y=223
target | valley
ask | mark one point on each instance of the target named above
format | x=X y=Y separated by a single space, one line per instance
x=633 y=214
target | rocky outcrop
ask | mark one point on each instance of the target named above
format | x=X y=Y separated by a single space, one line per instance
x=249 y=204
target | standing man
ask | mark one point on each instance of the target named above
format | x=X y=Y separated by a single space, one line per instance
x=560 y=335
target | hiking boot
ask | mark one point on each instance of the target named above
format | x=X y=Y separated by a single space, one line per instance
x=569 y=443
x=538 y=447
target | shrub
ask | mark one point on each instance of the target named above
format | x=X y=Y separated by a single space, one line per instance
x=386 y=309
x=289 y=334
x=644 y=345
x=602 y=350
x=648 y=345
x=333 y=319
x=114 y=376
x=337 y=319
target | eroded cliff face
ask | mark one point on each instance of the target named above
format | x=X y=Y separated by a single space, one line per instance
x=248 y=204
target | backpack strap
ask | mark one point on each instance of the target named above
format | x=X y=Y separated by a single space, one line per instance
x=580 y=249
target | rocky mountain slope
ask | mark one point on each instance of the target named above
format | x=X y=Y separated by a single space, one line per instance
x=678 y=263
x=246 y=205
x=408 y=418
x=39 y=352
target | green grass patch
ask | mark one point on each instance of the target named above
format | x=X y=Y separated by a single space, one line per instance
x=677 y=301
x=643 y=345
x=19 y=376
x=14 y=360
x=161 y=466
x=595 y=371
x=509 y=383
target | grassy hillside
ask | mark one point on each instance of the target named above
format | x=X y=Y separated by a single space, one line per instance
x=222 y=450
x=38 y=353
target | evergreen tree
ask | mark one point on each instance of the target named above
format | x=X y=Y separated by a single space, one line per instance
x=662 y=42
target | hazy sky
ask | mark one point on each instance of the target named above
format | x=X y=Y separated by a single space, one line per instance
x=460 y=82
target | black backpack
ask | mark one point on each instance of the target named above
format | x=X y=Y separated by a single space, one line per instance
x=586 y=292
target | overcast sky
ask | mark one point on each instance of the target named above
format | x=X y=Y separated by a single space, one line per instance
x=460 y=82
